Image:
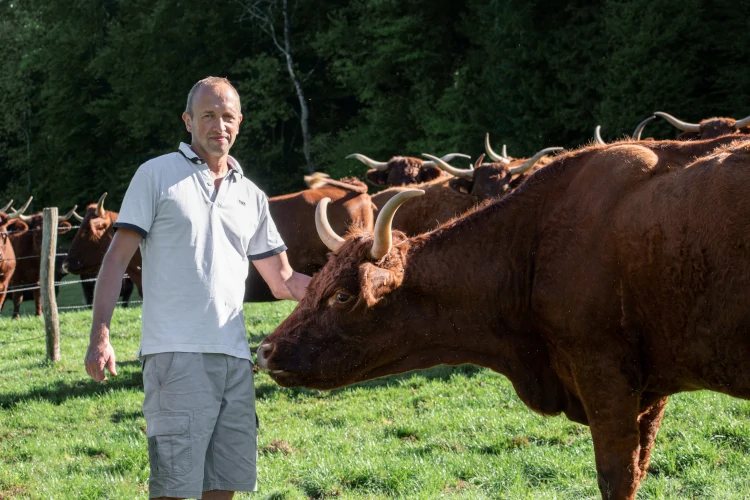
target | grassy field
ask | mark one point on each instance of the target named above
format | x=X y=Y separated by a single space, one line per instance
x=458 y=433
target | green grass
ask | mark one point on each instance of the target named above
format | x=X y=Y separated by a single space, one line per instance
x=458 y=433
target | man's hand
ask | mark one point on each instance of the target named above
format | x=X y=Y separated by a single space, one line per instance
x=284 y=282
x=99 y=355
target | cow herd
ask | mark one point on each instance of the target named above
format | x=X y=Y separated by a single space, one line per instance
x=599 y=281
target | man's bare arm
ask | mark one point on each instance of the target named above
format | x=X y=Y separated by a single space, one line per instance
x=108 y=284
x=285 y=282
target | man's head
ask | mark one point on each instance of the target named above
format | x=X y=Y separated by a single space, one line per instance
x=213 y=115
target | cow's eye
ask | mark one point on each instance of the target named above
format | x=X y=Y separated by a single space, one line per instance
x=343 y=298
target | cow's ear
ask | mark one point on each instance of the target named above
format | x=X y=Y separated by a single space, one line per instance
x=377 y=177
x=63 y=227
x=463 y=186
x=376 y=282
x=16 y=225
x=429 y=174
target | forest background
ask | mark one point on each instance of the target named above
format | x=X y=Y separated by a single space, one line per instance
x=90 y=89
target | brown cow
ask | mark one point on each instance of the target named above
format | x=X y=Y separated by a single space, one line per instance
x=27 y=246
x=91 y=242
x=601 y=286
x=490 y=180
x=7 y=255
x=293 y=215
x=708 y=128
x=402 y=170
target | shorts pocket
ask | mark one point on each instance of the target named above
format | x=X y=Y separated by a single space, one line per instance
x=168 y=434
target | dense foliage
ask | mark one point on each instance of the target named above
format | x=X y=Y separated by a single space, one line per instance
x=90 y=89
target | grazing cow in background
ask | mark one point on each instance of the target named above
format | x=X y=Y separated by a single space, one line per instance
x=490 y=180
x=402 y=170
x=293 y=215
x=708 y=128
x=601 y=286
x=7 y=255
x=91 y=242
x=27 y=246
x=439 y=204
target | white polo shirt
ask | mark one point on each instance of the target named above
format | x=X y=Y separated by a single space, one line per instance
x=196 y=248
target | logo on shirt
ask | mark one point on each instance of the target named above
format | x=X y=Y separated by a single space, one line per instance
x=241 y=202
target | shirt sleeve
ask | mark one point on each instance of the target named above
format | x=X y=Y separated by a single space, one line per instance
x=139 y=206
x=266 y=241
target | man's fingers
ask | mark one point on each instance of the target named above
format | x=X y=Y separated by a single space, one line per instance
x=111 y=365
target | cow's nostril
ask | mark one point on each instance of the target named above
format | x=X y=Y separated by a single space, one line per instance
x=264 y=352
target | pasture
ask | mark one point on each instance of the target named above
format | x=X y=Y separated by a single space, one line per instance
x=447 y=432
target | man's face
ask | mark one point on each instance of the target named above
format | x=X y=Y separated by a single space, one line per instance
x=215 y=120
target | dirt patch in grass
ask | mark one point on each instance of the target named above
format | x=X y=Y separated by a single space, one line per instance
x=278 y=446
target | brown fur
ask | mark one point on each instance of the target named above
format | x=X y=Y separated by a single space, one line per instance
x=710 y=128
x=29 y=244
x=492 y=180
x=439 y=204
x=602 y=285
x=294 y=216
x=403 y=171
x=91 y=242
x=7 y=254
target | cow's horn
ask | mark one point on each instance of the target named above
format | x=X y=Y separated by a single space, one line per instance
x=639 y=129
x=505 y=151
x=598 y=135
x=100 y=205
x=18 y=214
x=332 y=240
x=6 y=207
x=458 y=172
x=377 y=165
x=446 y=158
x=684 y=126
x=494 y=156
x=383 y=241
x=75 y=214
x=63 y=218
x=531 y=161
x=742 y=123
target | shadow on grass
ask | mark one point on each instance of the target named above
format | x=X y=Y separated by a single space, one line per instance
x=418 y=377
x=59 y=392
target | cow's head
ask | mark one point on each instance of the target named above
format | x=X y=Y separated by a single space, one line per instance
x=490 y=180
x=709 y=128
x=338 y=317
x=402 y=170
x=9 y=226
x=92 y=239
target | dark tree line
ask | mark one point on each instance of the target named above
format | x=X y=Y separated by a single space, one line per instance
x=89 y=89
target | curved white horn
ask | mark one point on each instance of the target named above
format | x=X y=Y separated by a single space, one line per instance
x=598 y=135
x=63 y=218
x=494 y=156
x=505 y=151
x=18 y=214
x=639 y=129
x=332 y=240
x=377 y=165
x=531 y=161
x=684 y=126
x=100 y=205
x=446 y=158
x=6 y=207
x=382 y=232
x=457 y=172
x=80 y=219
x=742 y=123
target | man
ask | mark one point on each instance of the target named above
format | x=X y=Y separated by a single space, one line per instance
x=198 y=220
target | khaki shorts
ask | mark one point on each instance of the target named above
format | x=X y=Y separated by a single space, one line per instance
x=201 y=423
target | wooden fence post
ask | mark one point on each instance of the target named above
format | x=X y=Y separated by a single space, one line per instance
x=47 y=282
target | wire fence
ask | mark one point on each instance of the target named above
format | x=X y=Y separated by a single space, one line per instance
x=37 y=229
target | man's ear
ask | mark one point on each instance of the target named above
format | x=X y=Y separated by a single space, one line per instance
x=188 y=123
x=377 y=282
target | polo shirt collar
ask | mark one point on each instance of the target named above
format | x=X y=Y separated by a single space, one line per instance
x=190 y=155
